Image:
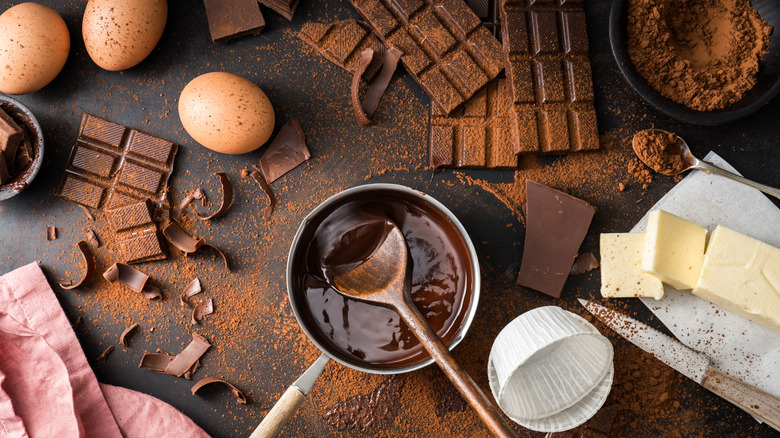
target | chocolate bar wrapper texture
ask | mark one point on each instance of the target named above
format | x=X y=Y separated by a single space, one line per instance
x=342 y=42
x=112 y=166
x=548 y=71
x=445 y=47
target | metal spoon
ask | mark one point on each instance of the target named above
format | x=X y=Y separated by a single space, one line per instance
x=692 y=162
x=385 y=279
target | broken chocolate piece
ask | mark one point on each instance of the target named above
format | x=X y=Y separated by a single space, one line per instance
x=364 y=111
x=104 y=355
x=5 y=176
x=549 y=77
x=187 y=243
x=287 y=150
x=240 y=397
x=477 y=136
x=178 y=211
x=285 y=8
x=257 y=176
x=230 y=19
x=112 y=166
x=11 y=136
x=342 y=42
x=584 y=263
x=446 y=49
x=487 y=11
x=89 y=269
x=91 y=237
x=51 y=232
x=136 y=232
x=201 y=309
x=598 y=426
x=132 y=278
x=227 y=197
x=191 y=289
x=127 y=331
x=556 y=224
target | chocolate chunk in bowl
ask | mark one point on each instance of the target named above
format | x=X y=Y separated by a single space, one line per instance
x=29 y=153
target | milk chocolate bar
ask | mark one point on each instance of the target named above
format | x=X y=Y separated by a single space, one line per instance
x=445 y=47
x=547 y=66
x=286 y=8
x=477 y=135
x=136 y=232
x=341 y=43
x=112 y=166
x=230 y=19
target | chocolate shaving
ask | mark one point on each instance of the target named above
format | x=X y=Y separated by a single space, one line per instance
x=104 y=355
x=364 y=111
x=227 y=197
x=123 y=336
x=191 y=289
x=584 y=263
x=178 y=211
x=193 y=369
x=132 y=278
x=89 y=271
x=181 y=363
x=267 y=211
x=201 y=309
x=87 y=212
x=187 y=243
x=92 y=238
x=240 y=397
x=156 y=362
x=51 y=233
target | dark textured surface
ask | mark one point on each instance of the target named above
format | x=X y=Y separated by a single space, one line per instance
x=303 y=85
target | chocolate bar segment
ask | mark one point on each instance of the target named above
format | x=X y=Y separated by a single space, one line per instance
x=230 y=19
x=286 y=8
x=477 y=135
x=112 y=166
x=446 y=49
x=341 y=43
x=487 y=11
x=136 y=232
x=547 y=66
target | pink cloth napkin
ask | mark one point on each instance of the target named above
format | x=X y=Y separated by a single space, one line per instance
x=47 y=388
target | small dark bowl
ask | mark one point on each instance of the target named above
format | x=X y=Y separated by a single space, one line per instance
x=26 y=120
x=767 y=87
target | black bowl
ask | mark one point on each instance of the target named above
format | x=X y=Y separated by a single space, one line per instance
x=767 y=87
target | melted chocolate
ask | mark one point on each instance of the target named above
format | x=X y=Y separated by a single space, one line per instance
x=345 y=235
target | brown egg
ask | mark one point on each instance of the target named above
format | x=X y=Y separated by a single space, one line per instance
x=119 y=34
x=226 y=113
x=34 y=44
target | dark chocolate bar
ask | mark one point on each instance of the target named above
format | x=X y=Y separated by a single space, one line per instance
x=112 y=166
x=547 y=66
x=136 y=232
x=477 y=135
x=445 y=47
x=341 y=43
x=11 y=136
x=487 y=11
x=286 y=8
x=230 y=19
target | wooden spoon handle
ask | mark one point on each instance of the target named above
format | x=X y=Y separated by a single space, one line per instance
x=459 y=377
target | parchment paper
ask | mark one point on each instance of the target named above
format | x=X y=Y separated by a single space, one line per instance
x=737 y=346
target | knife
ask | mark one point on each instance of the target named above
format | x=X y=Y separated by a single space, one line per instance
x=692 y=364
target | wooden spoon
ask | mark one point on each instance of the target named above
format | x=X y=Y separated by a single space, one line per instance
x=385 y=278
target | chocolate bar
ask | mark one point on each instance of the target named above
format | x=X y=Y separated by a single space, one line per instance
x=286 y=8
x=230 y=19
x=445 y=47
x=487 y=11
x=112 y=166
x=341 y=43
x=547 y=66
x=556 y=224
x=136 y=232
x=477 y=135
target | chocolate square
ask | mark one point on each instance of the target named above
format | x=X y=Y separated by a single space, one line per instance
x=136 y=232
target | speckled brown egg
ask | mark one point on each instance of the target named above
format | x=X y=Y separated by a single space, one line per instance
x=119 y=34
x=226 y=113
x=34 y=44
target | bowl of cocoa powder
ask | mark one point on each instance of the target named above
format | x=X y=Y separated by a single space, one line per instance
x=705 y=62
x=21 y=147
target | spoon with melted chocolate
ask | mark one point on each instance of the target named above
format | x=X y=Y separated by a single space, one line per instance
x=383 y=277
x=669 y=154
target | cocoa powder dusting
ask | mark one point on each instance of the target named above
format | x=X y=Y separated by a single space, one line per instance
x=660 y=150
x=704 y=54
x=368 y=412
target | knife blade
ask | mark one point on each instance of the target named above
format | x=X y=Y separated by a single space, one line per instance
x=692 y=364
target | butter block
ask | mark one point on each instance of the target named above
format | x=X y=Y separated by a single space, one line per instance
x=674 y=249
x=621 y=275
x=742 y=275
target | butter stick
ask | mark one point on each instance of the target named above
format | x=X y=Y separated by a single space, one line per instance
x=673 y=250
x=742 y=275
x=621 y=276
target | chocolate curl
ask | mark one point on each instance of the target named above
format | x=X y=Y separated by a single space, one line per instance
x=92 y=238
x=187 y=243
x=178 y=211
x=51 y=233
x=201 y=309
x=240 y=397
x=87 y=212
x=104 y=355
x=364 y=111
x=191 y=289
x=184 y=363
x=132 y=278
x=227 y=197
x=89 y=271
x=267 y=211
x=123 y=336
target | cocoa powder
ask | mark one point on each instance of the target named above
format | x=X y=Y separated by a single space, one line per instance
x=660 y=150
x=704 y=54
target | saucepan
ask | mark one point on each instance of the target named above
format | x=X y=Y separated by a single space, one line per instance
x=380 y=334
